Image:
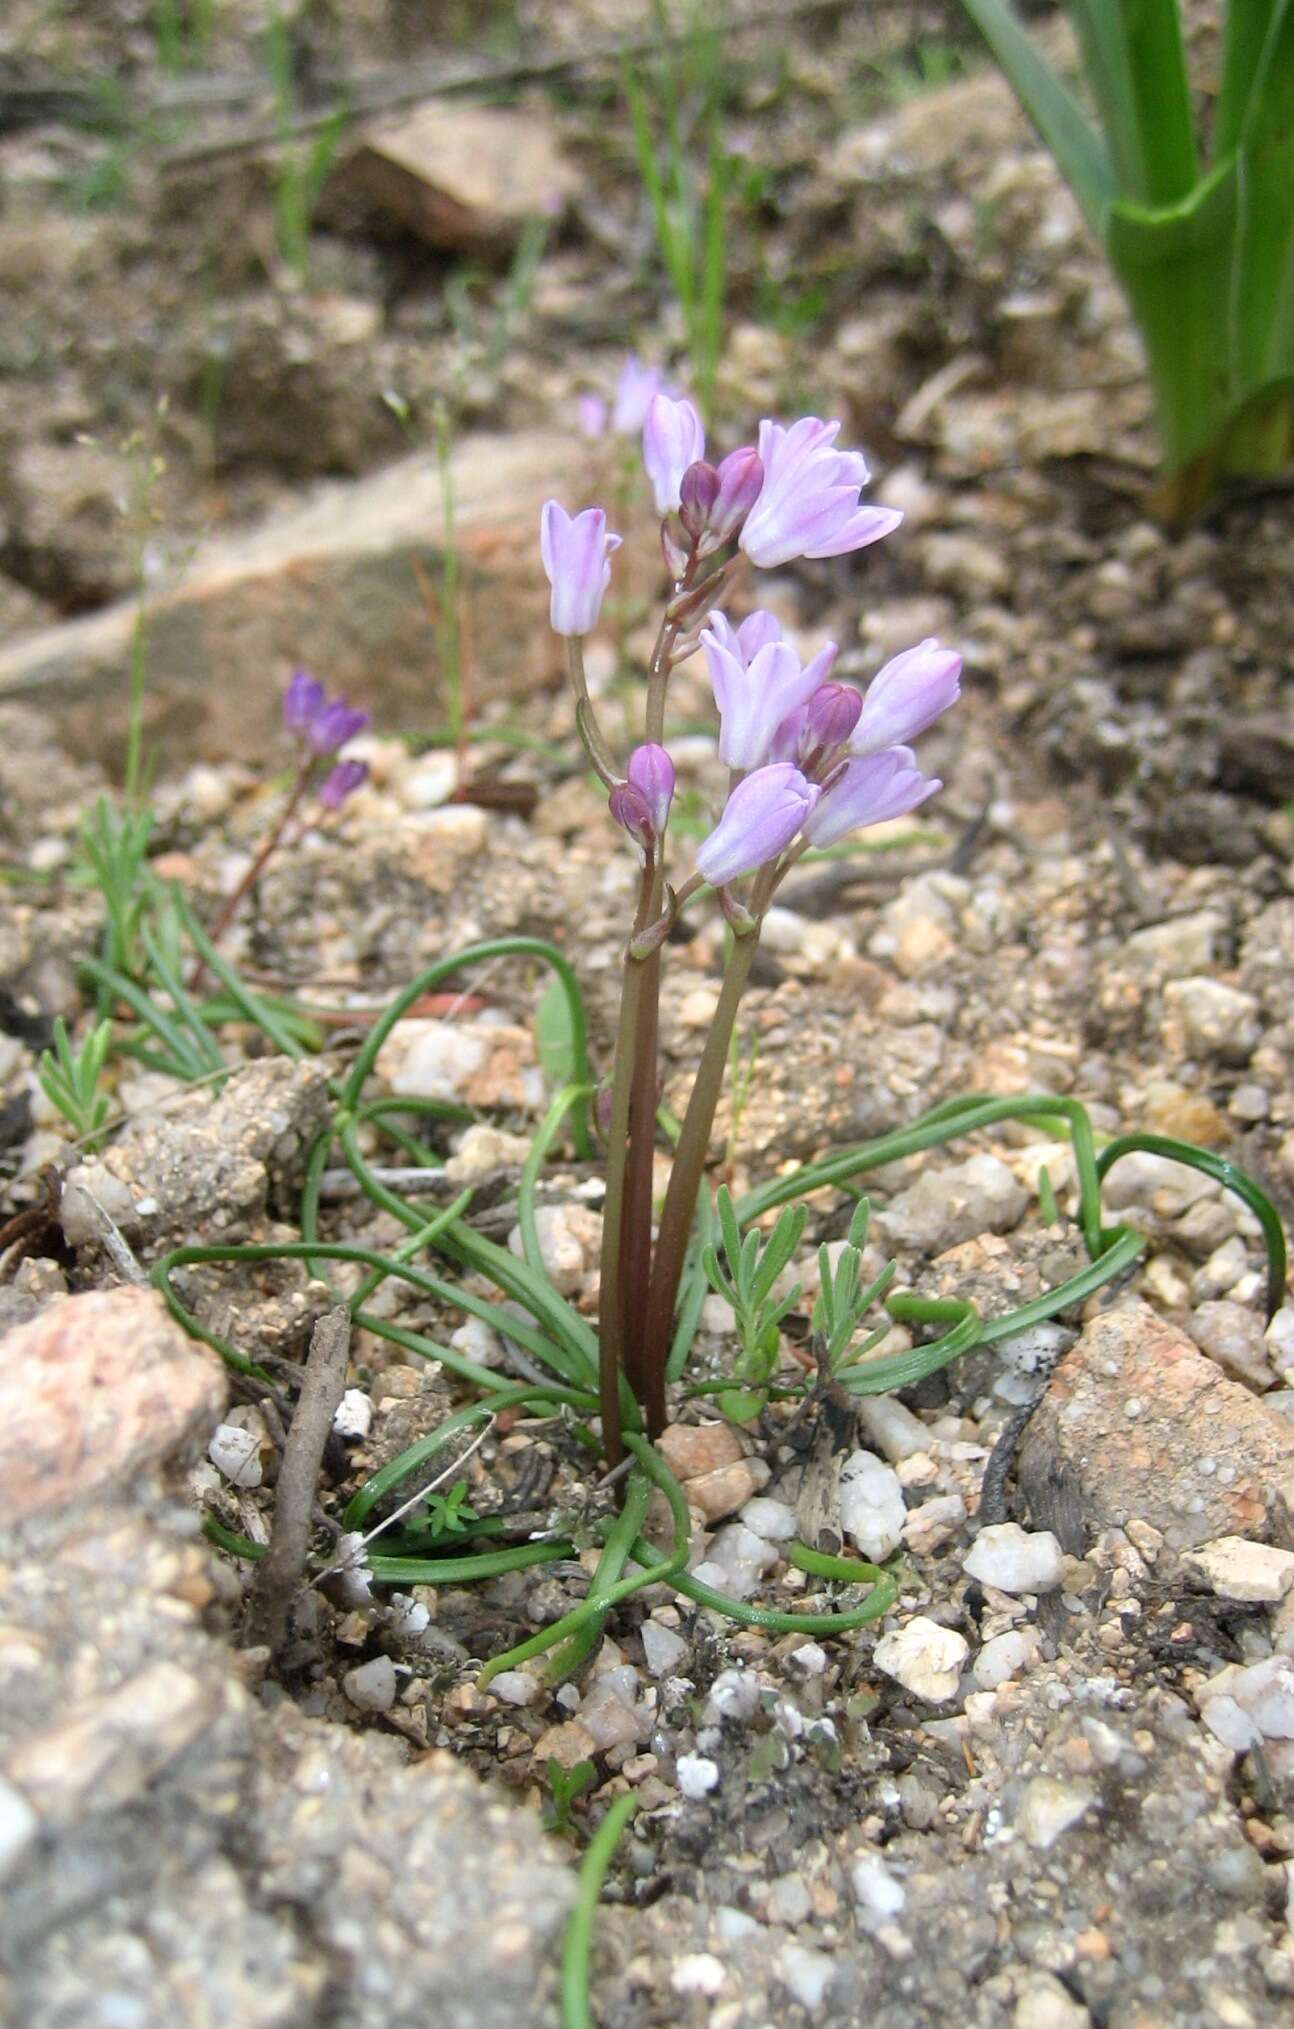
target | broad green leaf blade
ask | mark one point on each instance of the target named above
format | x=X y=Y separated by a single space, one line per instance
x=1136 y=68
x=554 y=1037
x=1243 y=38
x=1174 y=264
x=1262 y=314
x=1064 y=127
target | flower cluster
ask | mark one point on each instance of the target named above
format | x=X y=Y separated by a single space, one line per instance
x=811 y=760
x=322 y=726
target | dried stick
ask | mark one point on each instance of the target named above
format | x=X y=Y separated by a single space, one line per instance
x=280 y=1573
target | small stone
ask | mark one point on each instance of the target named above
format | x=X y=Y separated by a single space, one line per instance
x=19 y=1825
x=1263 y=1692
x=237 y=1454
x=1234 y=1568
x=810 y=1659
x=663 y=1649
x=566 y=1743
x=947 y=1207
x=736 y=1561
x=872 y=1508
x=1216 y=1020
x=1048 y=1808
x=925 y=1658
x=734 y=1695
x=1005 y=1655
x=1234 y=1337
x=431 y=1059
x=897 y=1432
x=698 y=1973
x=772 y=1520
x=690 y=1449
x=1221 y=1272
x=697 y=1775
x=608 y=1713
x=1015 y=1560
x=516 y=1687
x=354 y=1415
x=933 y=1523
x=879 y=1893
x=789 y=1900
x=807 y=1975
x=1045 y=2004
x=698 y=1008
x=481 y=1151
x=729 y=1487
x=372 y=1686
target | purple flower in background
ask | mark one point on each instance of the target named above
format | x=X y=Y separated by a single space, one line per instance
x=808 y=505
x=634 y=391
x=673 y=439
x=330 y=728
x=907 y=696
x=758 y=682
x=322 y=724
x=576 y=551
x=342 y=782
x=811 y=735
x=591 y=414
x=651 y=774
x=761 y=817
x=867 y=791
x=303 y=700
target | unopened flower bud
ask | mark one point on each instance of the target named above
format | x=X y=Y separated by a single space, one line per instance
x=343 y=781
x=697 y=495
x=651 y=773
x=673 y=439
x=741 y=476
x=631 y=810
x=577 y=551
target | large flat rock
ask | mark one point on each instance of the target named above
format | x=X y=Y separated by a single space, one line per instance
x=340 y=584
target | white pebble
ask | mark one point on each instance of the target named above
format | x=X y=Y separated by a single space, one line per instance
x=789 y=1901
x=1014 y=1559
x=734 y=1694
x=697 y=1775
x=698 y=1973
x=1048 y=1808
x=1263 y=1691
x=19 y=1826
x=806 y=1974
x=354 y=1414
x=810 y=1657
x=515 y=1687
x=663 y=1648
x=1005 y=1656
x=371 y=1687
x=1234 y=1568
x=879 y=1893
x=872 y=1508
x=895 y=1429
x=408 y=1616
x=925 y=1658
x=237 y=1454
x=769 y=1519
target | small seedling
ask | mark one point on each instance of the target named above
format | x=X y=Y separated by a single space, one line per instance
x=843 y=1303
x=745 y=1279
x=70 y=1079
x=449 y=1514
x=564 y=1788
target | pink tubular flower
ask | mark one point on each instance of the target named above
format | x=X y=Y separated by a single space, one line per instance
x=331 y=727
x=761 y=817
x=576 y=551
x=757 y=682
x=651 y=774
x=591 y=414
x=673 y=439
x=808 y=505
x=907 y=696
x=867 y=791
x=303 y=700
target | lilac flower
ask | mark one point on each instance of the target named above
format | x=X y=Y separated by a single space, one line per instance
x=576 y=552
x=330 y=728
x=342 y=782
x=907 y=696
x=808 y=505
x=761 y=817
x=303 y=700
x=673 y=439
x=867 y=791
x=811 y=735
x=758 y=682
x=634 y=391
x=591 y=414
x=651 y=774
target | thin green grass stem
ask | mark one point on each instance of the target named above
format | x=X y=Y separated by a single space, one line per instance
x=578 y=1945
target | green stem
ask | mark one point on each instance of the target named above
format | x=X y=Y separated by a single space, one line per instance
x=612 y=1286
x=685 y=1180
x=579 y=1930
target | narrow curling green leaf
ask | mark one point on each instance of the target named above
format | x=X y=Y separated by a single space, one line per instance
x=1080 y=156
